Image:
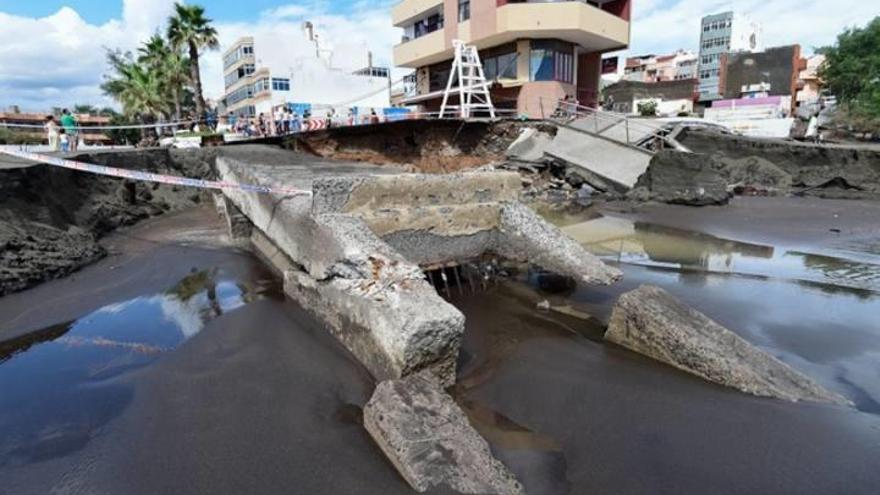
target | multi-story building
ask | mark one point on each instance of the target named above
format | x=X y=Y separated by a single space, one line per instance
x=533 y=52
x=260 y=75
x=677 y=66
x=724 y=33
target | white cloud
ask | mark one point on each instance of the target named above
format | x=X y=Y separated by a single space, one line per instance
x=666 y=25
x=59 y=60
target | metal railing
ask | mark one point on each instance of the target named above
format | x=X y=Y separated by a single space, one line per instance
x=635 y=133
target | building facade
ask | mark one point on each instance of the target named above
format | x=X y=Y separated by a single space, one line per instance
x=533 y=52
x=260 y=75
x=722 y=34
x=773 y=72
x=678 y=66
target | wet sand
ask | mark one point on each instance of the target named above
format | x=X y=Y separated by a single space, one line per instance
x=571 y=414
x=258 y=399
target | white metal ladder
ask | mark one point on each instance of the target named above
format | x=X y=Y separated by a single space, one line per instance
x=472 y=89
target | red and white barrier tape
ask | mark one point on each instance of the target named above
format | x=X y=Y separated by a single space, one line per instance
x=151 y=177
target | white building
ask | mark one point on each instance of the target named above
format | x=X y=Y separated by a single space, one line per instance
x=721 y=34
x=261 y=74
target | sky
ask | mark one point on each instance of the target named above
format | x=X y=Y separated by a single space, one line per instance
x=52 y=52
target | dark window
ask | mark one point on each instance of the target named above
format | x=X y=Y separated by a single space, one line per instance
x=500 y=62
x=464 y=10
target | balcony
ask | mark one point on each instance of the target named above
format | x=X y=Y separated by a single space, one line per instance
x=576 y=22
x=408 y=10
x=421 y=51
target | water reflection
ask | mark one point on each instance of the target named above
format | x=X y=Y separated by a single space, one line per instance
x=55 y=387
x=695 y=255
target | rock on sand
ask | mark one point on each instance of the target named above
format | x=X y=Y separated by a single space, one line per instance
x=652 y=322
x=429 y=440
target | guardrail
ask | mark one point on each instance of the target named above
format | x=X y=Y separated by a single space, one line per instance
x=635 y=133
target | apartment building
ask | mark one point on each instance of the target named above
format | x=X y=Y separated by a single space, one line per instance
x=678 y=66
x=261 y=74
x=722 y=34
x=534 y=52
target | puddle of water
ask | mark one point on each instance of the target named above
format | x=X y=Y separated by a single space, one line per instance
x=636 y=243
x=818 y=312
x=57 y=387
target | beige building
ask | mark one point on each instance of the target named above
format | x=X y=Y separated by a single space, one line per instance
x=533 y=52
x=678 y=66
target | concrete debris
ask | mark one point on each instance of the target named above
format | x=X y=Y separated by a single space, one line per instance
x=429 y=440
x=650 y=321
x=529 y=146
x=683 y=178
x=527 y=237
x=605 y=163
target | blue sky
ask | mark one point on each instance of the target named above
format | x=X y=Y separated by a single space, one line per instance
x=101 y=11
x=52 y=52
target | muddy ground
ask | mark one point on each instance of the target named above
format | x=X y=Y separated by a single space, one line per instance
x=52 y=218
x=425 y=146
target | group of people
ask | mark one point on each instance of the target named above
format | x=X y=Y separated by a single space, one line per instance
x=63 y=135
x=284 y=120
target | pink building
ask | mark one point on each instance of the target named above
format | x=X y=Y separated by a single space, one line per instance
x=534 y=52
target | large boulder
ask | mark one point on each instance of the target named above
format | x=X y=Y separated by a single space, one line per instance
x=429 y=440
x=652 y=322
x=683 y=178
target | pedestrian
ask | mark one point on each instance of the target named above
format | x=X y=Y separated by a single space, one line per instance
x=64 y=140
x=68 y=122
x=329 y=121
x=374 y=117
x=295 y=125
x=279 y=121
x=52 y=132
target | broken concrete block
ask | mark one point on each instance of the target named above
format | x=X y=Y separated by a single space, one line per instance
x=429 y=440
x=529 y=146
x=652 y=322
x=526 y=236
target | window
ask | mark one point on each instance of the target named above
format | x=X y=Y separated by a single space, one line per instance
x=551 y=61
x=261 y=85
x=280 y=84
x=500 y=62
x=427 y=26
x=464 y=10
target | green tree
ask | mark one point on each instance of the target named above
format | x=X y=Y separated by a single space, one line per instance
x=852 y=70
x=189 y=28
x=137 y=87
x=85 y=109
x=171 y=66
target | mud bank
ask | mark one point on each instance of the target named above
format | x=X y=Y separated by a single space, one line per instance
x=426 y=146
x=758 y=166
x=51 y=218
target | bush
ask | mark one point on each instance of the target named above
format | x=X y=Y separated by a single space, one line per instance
x=648 y=109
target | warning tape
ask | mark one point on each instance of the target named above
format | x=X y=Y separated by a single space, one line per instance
x=151 y=177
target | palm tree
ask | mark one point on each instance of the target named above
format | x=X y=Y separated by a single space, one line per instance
x=137 y=87
x=170 y=64
x=189 y=27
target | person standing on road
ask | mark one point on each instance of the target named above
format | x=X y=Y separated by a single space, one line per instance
x=68 y=122
x=52 y=133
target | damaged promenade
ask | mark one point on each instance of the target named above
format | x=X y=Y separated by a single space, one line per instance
x=417 y=235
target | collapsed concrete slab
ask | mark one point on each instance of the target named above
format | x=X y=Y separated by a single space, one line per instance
x=652 y=322
x=429 y=440
x=607 y=164
x=359 y=243
x=530 y=146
